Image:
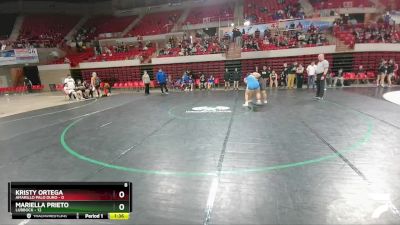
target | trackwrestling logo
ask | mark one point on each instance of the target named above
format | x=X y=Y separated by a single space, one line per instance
x=208 y=109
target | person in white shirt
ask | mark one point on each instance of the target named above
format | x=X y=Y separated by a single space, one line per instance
x=311 y=74
x=69 y=87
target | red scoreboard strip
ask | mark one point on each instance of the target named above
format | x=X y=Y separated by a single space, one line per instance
x=67 y=200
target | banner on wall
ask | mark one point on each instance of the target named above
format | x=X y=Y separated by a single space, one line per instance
x=19 y=56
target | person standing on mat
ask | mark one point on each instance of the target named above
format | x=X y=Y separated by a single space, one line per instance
x=284 y=75
x=382 y=69
x=311 y=75
x=263 y=84
x=322 y=71
x=236 y=78
x=273 y=78
x=299 y=76
x=390 y=72
x=253 y=87
x=292 y=75
x=146 y=82
x=265 y=74
x=227 y=79
x=95 y=83
x=203 y=81
x=162 y=81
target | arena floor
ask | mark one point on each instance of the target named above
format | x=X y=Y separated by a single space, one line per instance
x=294 y=161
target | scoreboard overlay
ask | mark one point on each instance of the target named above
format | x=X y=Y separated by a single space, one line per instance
x=70 y=200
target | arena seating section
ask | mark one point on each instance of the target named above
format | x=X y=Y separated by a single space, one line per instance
x=123 y=55
x=76 y=58
x=391 y=4
x=209 y=68
x=155 y=23
x=112 y=75
x=6 y=25
x=19 y=89
x=334 y=4
x=49 y=28
x=215 y=13
x=371 y=60
x=108 y=24
x=252 y=7
x=347 y=36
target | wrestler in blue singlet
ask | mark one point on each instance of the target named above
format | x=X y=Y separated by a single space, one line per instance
x=252 y=83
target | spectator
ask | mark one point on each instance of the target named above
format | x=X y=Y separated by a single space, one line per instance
x=390 y=71
x=28 y=84
x=360 y=75
x=236 y=78
x=311 y=75
x=211 y=82
x=299 y=76
x=162 y=81
x=329 y=79
x=264 y=77
x=284 y=75
x=106 y=89
x=81 y=90
x=227 y=79
x=273 y=77
x=203 y=81
x=339 y=76
x=382 y=69
x=69 y=87
x=95 y=83
x=146 y=82
x=292 y=75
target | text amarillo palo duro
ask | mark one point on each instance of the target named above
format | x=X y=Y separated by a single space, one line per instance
x=40 y=195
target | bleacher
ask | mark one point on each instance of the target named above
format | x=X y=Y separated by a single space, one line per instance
x=114 y=75
x=76 y=58
x=107 y=24
x=335 y=4
x=156 y=23
x=215 y=13
x=208 y=68
x=131 y=54
x=254 y=8
x=48 y=29
x=391 y=4
x=6 y=25
x=371 y=60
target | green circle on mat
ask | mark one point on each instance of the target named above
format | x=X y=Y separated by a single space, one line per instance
x=364 y=139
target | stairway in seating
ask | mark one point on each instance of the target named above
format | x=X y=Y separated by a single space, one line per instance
x=238 y=11
x=17 y=27
x=340 y=45
x=234 y=52
x=307 y=7
x=73 y=31
x=178 y=24
x=133 y=24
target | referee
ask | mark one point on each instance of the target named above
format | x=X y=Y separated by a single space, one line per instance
x=322 y=71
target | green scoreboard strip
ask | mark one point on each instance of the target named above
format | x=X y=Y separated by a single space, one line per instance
x=71 y=200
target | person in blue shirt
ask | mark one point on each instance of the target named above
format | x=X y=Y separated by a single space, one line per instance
x=211 y=81
x=253 y=87
x=185 y=81
x=162 y=81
